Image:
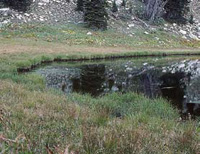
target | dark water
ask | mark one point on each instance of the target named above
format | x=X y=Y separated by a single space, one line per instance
x=176 y=79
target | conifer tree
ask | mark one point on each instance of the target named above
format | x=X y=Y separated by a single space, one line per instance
x=19 y=5
x=177 y=10
x=79 y=5
x=123 y=3
x=114 y=6
x=95 y=14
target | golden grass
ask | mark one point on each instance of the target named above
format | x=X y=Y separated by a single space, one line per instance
x=20 y=45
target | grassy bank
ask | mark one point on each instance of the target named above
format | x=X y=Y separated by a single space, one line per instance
x=35 y=122
x=34 y=119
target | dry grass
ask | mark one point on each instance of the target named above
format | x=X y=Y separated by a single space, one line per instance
x=20 y=45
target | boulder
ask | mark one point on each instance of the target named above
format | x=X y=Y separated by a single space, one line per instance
x=183 y=32
x=194 y=37
x=131 y=25
x=198 y=29
x=5 y=12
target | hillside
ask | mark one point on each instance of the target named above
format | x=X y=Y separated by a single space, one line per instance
x=63 y=12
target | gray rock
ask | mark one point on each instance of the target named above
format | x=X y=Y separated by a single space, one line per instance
x=194 y=37
x=5 y=12
x=131 y=25
x=183 y=32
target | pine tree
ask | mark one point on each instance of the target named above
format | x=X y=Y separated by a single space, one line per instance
x=177 y=10
x=123 y=3
x=95 y=14
x=79 y=5
x=19 y=5
x=114 y=6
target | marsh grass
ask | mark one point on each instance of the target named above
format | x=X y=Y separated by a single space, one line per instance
x=31 y=121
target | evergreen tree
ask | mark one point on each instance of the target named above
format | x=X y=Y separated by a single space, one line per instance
x=114 y=6
x=79 y=5
x=19 y=5
x=131 y=9
x=123 y=3
x=95 y=14
x=177 y=10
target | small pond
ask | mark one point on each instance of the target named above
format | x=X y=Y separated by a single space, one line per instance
x=176 y=79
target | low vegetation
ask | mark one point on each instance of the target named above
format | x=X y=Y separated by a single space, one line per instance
x=78 y=35
x=34 y=119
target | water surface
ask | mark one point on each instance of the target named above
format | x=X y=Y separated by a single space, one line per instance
x=177 y=78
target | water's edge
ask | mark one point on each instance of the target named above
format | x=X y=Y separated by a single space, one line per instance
x=101 y=57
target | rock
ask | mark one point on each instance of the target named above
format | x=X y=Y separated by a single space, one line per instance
x=131 y=25
x=89 y=33
x=26 y=14
x=146 y=32
x=174 y=24
x=183 y=32
x=4 y=9
x=144 y=64
x=181 y=66
x=5 y=12
x=184 y=37
x=129 y=69
x=40 y=4
x=45 y=1
x=118 y=2
x=165 y=29
x=194 y=37
x=115 y=89
x=5 y=22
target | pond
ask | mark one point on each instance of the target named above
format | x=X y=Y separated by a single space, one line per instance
x=176 y=79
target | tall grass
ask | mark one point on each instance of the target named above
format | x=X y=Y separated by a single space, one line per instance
x=38 y=122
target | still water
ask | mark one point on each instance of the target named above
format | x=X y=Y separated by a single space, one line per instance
x=176 y=79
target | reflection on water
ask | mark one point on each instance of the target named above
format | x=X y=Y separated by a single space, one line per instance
x=176 y=80
x=92 y=78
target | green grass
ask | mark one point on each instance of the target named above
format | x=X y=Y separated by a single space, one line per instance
x=34 y=119
x=77 y=35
